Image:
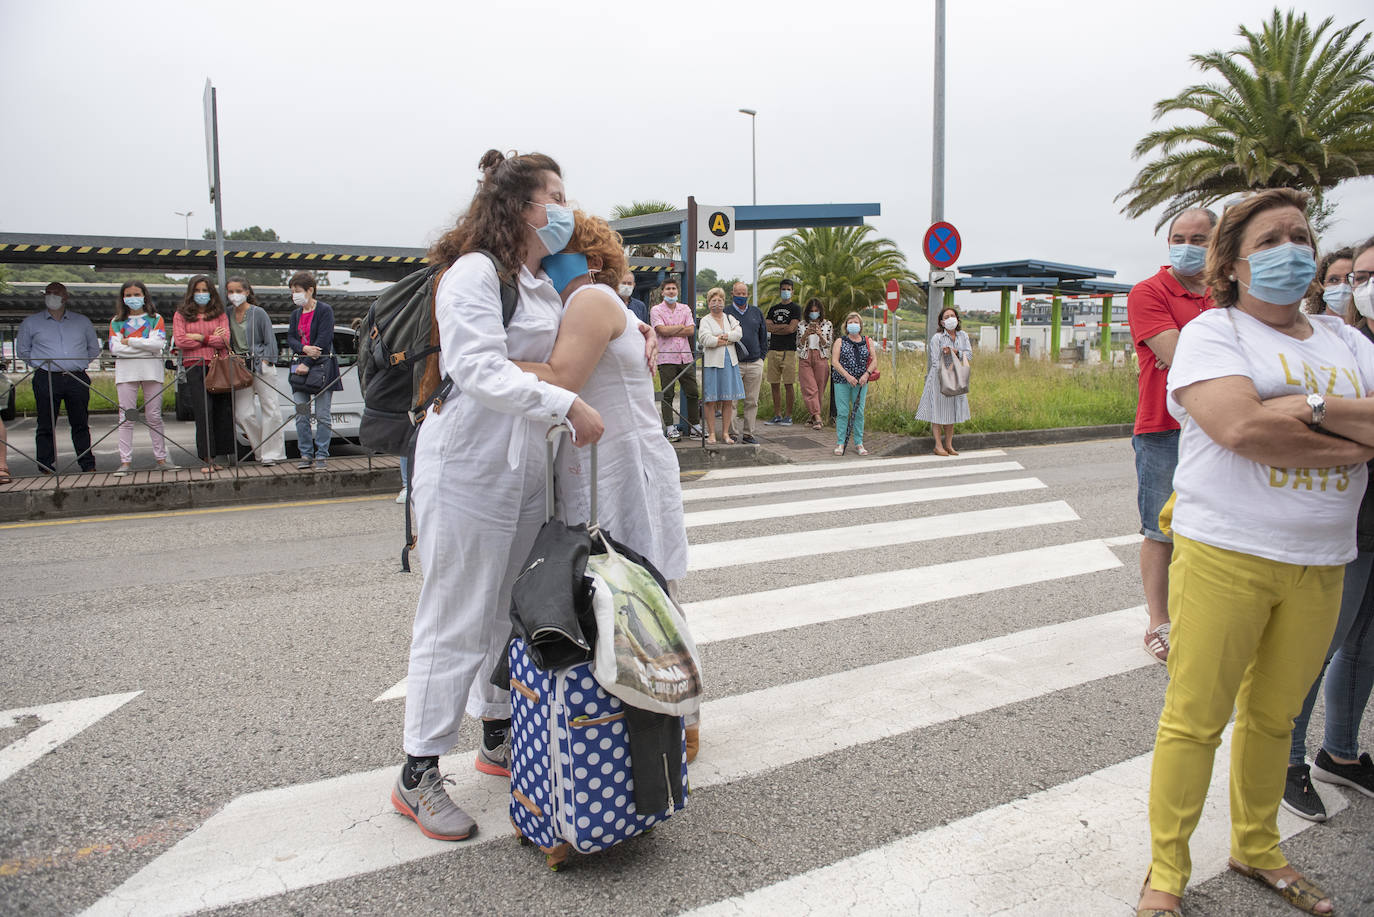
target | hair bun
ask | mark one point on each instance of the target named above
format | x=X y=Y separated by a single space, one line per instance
x=490 y=160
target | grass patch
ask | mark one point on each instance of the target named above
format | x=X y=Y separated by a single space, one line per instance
x=103 y=398
x=1037 y=395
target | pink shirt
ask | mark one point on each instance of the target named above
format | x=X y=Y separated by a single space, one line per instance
x=673 y=351
x=196 y=352
x=303 y=326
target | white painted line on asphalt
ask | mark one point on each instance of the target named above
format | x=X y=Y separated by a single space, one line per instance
x=857 y=501
x=274 y=841
x=794 y=545
x=763 y=471
x=1091 y=834
x=834 y=600
x=61 y=721
x=795 y=484
x=1121 y=541
x=394 y=692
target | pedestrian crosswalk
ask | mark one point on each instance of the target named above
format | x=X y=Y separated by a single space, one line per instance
x=972 y=594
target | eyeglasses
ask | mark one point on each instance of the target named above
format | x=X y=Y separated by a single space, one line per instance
x=1357 y=278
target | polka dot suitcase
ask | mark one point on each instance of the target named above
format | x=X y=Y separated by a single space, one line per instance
x=572 y=789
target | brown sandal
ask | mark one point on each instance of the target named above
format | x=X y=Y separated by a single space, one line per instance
x=1155 y=911
x=1298 y=892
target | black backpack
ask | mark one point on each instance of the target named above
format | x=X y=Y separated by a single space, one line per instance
x=398 y=339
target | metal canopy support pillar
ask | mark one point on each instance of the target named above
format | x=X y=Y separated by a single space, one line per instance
x=1055 y=311
x=1105 y=343
x=949 y=299
x=1004 y=328
x=688 y=235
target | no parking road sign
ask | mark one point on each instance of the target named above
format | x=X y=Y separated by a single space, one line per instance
x=942 y=245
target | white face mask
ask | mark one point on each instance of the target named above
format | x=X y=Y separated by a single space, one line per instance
x=950 y=322
x=626 y=289
x=1364 y=299
x=239 y=299
x=53 y=301
x=299 y=299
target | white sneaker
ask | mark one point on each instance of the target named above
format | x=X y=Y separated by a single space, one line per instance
x=401 y=497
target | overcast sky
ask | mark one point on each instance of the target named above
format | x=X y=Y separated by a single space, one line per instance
x=362 y=122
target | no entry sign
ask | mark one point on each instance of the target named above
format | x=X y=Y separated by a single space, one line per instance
x=941 y=245
x=894 y=296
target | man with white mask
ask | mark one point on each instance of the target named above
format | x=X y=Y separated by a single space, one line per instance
x=59 y=345
x=1157 y=309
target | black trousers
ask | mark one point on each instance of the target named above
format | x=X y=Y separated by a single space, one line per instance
x=53 y=390
x=668 y=379
x=214 y=415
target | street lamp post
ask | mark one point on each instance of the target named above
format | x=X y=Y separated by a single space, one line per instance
x=754 y=170
x=186 y=240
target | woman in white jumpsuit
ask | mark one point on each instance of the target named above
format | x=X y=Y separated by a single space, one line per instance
x=478 y=480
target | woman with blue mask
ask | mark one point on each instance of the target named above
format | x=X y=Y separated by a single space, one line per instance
x=1330 y=292
x=852 y=358
x=200 y=330
x=1263 y=520
x=477 y=481
x=137 y=338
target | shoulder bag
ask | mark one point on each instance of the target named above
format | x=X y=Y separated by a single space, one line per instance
x=954 y=373
x=227 y=372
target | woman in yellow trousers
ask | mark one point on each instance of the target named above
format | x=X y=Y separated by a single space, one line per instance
x=1263 y=521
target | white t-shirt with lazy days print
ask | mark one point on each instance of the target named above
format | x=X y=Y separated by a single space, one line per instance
x=1291 y=515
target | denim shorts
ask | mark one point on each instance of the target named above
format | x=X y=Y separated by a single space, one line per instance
x=1156 y=457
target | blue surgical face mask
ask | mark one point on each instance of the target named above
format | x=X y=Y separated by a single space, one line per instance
x=1280 y=275
x=1337 y=298
x=741 y=301
x=558 y=230
x=201 y=299
x=813 y=315
x=1188 y=260
x=670 y=300
x=564 y=268
x=786 y=295
x=854 y=327
x=134 y=302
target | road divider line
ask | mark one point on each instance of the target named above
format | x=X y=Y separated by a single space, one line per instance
x=761 y=471
x=60 y=721
x=857 y=501
x=737 y=616
x=1091 y=833
x=794 y=484
x=765 y=548
x=274 y=841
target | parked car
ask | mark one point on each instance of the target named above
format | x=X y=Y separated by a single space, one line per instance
x=911 y=345
x=346 y=410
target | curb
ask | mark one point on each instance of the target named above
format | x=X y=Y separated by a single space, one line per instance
x=924 y=444
x=692 y=457
x=38 y=505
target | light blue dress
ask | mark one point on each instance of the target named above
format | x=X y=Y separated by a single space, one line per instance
x=723 y=383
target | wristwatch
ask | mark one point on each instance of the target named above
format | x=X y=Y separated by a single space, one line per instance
x=1318 y=405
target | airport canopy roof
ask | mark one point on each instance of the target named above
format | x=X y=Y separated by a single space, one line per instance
x=658 y=228
x=1040 y=277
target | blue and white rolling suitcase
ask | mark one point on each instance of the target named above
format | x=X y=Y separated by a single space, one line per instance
x=571 y=783
x=570 y=780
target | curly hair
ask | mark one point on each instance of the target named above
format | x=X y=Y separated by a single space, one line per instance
x=594 y=236
x=247 y=288
x=1314 y=304
x=188 y=307
x=1224 y=249
x=495 y=220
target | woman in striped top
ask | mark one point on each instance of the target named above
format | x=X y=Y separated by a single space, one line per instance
x=200 y=329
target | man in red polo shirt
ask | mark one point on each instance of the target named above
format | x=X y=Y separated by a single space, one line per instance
x=1157 y=309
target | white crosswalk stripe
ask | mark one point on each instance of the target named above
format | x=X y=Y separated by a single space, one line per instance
x=274 y=841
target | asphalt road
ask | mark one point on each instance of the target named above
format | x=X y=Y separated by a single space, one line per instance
x=946 y=712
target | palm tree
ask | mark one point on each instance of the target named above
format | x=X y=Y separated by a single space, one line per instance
x=846 y=267
x=1293 y=109
x=640 y=208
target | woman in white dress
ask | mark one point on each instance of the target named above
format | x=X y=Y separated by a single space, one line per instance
x=599 y=356
x=940 y=410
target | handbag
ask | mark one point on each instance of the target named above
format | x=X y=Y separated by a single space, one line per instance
x=313 y=381
x=954 y=372
x=227 y=372
x=874 y=374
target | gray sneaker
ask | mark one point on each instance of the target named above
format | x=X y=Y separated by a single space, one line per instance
x=495 y=761
x=431 y=808
x=321 y=465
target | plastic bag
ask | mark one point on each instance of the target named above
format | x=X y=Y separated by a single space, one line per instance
x=644 y=652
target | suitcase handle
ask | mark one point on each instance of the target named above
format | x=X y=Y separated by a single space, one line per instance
x=550 y=438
